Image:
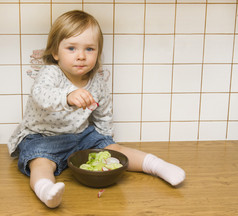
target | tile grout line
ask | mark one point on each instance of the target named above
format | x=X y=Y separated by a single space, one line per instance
x=143 y=69
x=172 y=74
x=113 y=51
x=20 y=52
x=201 y=84
x=232 y=63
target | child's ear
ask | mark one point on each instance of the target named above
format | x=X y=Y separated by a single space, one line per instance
x=55 y=56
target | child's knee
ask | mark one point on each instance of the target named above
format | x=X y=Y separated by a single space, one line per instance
x=42 y=162
x=115 y=147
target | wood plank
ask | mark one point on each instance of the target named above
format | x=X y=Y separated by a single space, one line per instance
x=210 y=188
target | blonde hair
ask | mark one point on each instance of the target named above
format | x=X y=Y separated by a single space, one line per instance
x=67 y=25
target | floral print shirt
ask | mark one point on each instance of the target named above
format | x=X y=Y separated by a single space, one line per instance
x=48 y=113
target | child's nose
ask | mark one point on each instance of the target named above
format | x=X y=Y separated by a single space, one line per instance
x=81 y=55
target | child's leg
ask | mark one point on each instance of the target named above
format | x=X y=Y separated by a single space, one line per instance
x=148 y=163
x=42 y=181
x=135 y=156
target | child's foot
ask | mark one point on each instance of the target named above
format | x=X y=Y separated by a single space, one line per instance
x=54 y=195
x=49 y=193
x=167 y=171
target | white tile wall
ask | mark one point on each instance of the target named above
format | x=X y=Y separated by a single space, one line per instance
x=193 y=1
x=185 y=107
x=216 y=77
x=157 y=78
x=127 y=79
x=158 y=49
x=236 y=20
x=10 y=49
x=107 y=49
x=160 y=1
x=221 y=1
x=10 y=74
x=187 y=78
x=214 y=106
x=58 y=9
x=10 y=108
x=235 y=59
x=128 y=48
x=127 y=107
x=156 y=107
x=232 y=131
x=11 y=17
x=212 y=131
x=184 y=131
x=70 y=1
x=27 y=81
x=220 y=18
x=233 y=115
x=154 y=131
x=127 y=132
x=32 y=21
x=234 y=82
x=5 y=131
x=29 y=41
x=188 y=49
x=159 y=18
x=36 y=1
x=103 y=13
x=9 y=1
x=218 y=48
x=173 y=64
x=196 y=21
x=129 y=1
x=133 y=25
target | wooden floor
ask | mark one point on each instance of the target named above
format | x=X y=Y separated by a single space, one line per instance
x=211 y=186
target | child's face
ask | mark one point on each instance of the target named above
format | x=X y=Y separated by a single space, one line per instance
x=78 y=54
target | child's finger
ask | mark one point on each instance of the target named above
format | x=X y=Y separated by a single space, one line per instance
x=80 y=98
x=81 y=103
x=87 y=99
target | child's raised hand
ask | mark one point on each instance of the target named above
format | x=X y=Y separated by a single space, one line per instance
x=80 y=98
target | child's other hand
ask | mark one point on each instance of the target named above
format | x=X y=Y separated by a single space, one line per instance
x=80 y=98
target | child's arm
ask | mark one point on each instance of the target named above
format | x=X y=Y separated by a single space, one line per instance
x=49 y=91
x=102 y=116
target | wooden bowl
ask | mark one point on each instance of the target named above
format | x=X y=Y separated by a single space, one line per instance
x=97 y=179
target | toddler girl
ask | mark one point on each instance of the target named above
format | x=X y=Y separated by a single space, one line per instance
x=69 y=109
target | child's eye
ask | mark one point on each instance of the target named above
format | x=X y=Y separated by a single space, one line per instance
x=89 y=49
x=71 y=48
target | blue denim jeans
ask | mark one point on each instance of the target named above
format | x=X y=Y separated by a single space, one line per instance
x=58 y=148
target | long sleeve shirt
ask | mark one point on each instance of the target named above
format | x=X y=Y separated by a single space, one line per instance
x=48 y=113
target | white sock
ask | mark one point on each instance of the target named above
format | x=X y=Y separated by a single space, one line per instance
x=167 y=171
x=48 y=192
